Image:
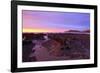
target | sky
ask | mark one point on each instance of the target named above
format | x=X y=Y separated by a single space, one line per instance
x=50 y=21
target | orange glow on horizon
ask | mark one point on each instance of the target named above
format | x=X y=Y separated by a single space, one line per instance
x=30 y=30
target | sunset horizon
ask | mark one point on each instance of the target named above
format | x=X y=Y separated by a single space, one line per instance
x=30 y=30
